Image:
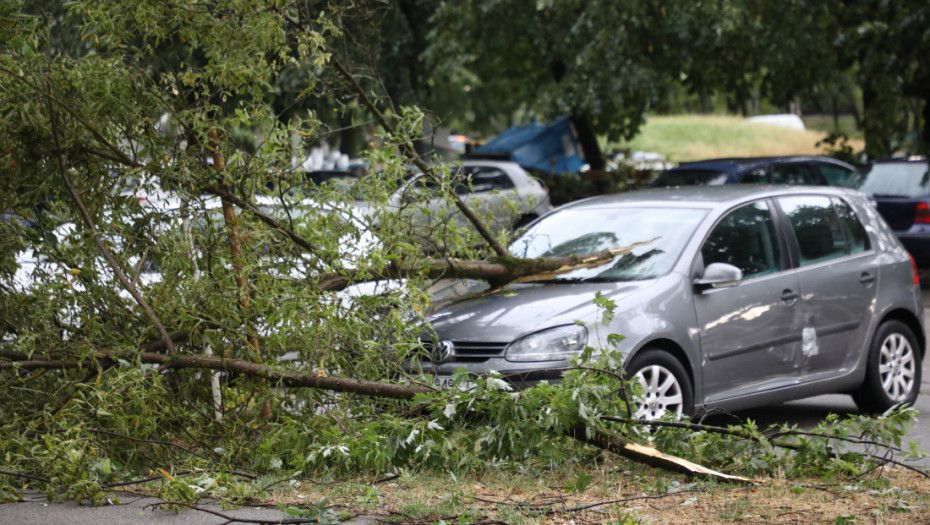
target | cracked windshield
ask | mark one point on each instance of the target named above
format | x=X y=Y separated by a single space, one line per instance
x=657 y=236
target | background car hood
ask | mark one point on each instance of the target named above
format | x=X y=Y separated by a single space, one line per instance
x=516 y=310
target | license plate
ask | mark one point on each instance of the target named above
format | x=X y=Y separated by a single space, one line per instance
x=445 y=383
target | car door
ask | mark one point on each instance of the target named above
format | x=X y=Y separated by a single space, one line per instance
x=838 y=274
x=750 y=334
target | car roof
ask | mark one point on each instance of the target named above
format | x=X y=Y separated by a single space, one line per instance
x=920 y=160
x=743 y=163
x=707 y=197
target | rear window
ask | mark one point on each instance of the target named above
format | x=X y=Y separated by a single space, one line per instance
x=910 y=179
x=687 y=177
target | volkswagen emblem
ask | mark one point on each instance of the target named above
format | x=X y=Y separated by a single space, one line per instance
x=442 y=352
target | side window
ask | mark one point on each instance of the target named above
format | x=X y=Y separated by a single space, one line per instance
x=817 y=228
x=746 y=239
x=485 y=179
x=755 y=176
x=858 y=239
x=794 y=174
x=834 y=175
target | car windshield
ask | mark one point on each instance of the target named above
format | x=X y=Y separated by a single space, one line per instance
x=686 y=177
x=904 y=179
x=658 y=233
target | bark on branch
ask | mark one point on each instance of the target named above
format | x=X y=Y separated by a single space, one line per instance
x=497 y=272
x=611 y=443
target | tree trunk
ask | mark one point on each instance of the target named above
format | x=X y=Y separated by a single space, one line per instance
x=590 y=148
x=877 y=145
x=235 y=253
x=925 y=134
x=707 y=101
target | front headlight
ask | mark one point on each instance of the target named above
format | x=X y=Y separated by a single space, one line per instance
x=549 y=345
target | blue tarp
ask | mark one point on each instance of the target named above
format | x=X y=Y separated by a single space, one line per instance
x=553 y=148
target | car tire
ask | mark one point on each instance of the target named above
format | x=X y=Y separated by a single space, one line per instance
x=665 y=384
x=893 y=370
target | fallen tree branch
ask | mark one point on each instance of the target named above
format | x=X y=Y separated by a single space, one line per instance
x=270 y=221
x=771 y=439
x=61 y=159
x=498 y=272
x=25 y=476
x=138 y=481
x=232 y=519
x=649 y=455
x=149 y=441
x=551 y=511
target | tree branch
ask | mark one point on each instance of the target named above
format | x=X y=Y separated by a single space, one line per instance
x=406 y=147
x=224 y=193
x=98 y=239
x=498 y=272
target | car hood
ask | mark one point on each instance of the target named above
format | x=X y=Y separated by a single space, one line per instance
x=517 y=310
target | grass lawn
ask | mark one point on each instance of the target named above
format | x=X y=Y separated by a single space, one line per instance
x=618 y=492
x=693 y=137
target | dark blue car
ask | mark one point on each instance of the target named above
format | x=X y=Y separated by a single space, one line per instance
x=900 y=190
x=796 y=169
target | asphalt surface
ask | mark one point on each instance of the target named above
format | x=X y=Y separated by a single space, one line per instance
x=134 y=509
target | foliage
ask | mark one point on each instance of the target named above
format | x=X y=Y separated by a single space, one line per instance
x=838 y=147
x=126 y=154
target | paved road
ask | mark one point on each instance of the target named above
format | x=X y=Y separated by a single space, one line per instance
x=132 y=509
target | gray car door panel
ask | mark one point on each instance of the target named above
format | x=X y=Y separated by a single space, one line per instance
x=752 y=347
x=838 y=278
x=751 y=333
x=837 y=305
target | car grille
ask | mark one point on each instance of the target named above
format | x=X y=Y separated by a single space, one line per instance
x=472 y=352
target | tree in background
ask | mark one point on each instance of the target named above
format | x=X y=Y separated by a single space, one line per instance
x=606 y=65
x=886 y=45
x=587 y=60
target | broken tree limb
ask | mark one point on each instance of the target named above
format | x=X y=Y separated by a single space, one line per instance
x=633 y=451
x=649 y=455
x=275 y=376
x=224 y=193
x=498 y=272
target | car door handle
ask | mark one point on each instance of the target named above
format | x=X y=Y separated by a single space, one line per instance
x=866 y=278
x=789 y=296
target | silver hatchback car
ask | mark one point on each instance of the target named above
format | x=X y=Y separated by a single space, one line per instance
x=731 y=297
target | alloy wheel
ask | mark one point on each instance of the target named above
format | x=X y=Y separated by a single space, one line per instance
x=661 y=393
x=896 y=367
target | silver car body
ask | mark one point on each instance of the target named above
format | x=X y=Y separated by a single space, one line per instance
x=508 y=196
x=800 y=331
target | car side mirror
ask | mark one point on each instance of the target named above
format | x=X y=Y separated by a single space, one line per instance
x=719 y=275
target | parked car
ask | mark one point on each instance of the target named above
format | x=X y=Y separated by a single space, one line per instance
x=488 y=187
x=734 y=296
x=900 y=190
x=798 y=169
